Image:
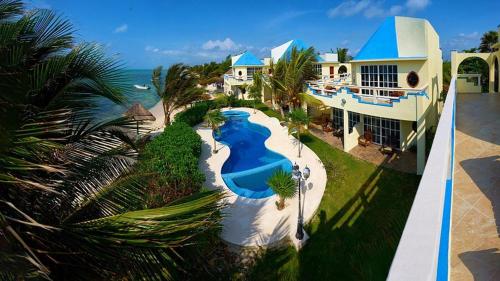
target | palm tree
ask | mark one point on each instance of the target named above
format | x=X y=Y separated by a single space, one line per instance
x=255 y=90
x=71 y=204
x=214 y=119
x=343 y=55
x=298 y=122
x=291 y=74
x=178 y=89
x=243 y=89
x=283 y=185
x=488 y=39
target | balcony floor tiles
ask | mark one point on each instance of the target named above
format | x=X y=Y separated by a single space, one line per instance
x=475 y=240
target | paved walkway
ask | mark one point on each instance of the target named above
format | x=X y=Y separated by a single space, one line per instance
x=475 y=246
x=257 y=222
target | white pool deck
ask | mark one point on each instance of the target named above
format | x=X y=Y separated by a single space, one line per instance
x=257 y=222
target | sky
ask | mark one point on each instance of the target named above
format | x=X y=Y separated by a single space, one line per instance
x=148 y=33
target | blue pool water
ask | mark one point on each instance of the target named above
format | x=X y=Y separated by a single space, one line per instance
x=250 y=163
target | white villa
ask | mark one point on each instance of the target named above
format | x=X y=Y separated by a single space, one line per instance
x=387 y=94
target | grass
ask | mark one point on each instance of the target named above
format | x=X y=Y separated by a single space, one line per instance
x=268 y=111
x=356 y=230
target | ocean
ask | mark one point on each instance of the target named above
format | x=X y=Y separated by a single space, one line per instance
x=147 y=98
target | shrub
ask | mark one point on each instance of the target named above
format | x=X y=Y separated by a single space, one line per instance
x=172 y=159
x=194 y=115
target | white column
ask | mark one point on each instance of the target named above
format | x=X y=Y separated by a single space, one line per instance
x=346 y=129
x=491 y=78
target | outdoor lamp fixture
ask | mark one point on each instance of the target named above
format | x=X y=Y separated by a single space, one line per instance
x=298 y=176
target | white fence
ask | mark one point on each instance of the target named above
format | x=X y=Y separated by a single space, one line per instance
x=423 y=251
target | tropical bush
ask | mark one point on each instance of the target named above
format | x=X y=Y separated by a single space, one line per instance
x=172 y=159
x=71 y=201
x=283 y=185
x=195 y=114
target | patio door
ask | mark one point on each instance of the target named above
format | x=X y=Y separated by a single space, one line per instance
x=332 y=71
x=383 y=130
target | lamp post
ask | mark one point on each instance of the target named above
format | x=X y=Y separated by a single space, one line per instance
x=298 y=176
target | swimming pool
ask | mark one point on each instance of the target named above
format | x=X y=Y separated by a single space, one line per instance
x=250 y=163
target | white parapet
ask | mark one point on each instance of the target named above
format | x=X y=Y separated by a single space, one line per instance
x=423 y=250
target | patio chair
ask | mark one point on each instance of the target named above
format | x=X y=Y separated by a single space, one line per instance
x=388 y=145
x=338 y=132
x=365 y=139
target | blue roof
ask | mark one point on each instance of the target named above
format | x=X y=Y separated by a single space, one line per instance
x=246 y=59
x=383 y=44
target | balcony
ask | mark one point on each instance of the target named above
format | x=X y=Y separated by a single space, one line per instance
x=237 y=80
x=395 y=103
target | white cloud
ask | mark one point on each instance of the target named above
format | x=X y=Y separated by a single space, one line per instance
x=463 y=41
x=472 y=35
x=417 y=4
x=349 y=8
x=345 y=42
x=122 y=28
x=224 y=45
x=374 y=8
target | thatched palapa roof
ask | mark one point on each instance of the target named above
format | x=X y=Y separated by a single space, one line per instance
x=139 y=113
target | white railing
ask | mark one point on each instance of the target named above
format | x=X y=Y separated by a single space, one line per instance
x=423 y=251
x=237 y=80
x=388 y=95
x=376 y=95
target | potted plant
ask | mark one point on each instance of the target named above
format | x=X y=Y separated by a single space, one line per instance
x=283 y=185
x=215 y=119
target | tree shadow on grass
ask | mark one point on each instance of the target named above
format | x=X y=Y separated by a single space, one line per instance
x=357 y=240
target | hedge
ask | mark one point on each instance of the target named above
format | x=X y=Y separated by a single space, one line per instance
x=194 y=115
x=173 y=158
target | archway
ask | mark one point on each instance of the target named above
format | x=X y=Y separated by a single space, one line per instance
x=496 y=79
x=471 y=66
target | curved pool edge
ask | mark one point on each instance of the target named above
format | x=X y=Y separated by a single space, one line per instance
x=257 y=222
x=239 y=181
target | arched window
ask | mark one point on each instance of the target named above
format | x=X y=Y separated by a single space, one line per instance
x=342 y=69
x=239 y=73
x=412 y=79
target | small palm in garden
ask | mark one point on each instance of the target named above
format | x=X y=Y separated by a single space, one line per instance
x=215 y=119
x=298 y=121
x=255 y=91
x=283 y=185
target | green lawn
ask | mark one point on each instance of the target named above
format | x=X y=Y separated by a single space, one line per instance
x=268 y=111
x=356 y=230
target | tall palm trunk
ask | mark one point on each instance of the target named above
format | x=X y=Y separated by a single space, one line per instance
x=166 y=111
x=281 y=203
x=298 y=137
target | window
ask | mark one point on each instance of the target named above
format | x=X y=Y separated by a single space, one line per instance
x=385 y=131
x=342 y=69
x=412 y=79
x=317 y=69
x=354 y=119
x=251 y=71
x=385 y=76
x=338 y=118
